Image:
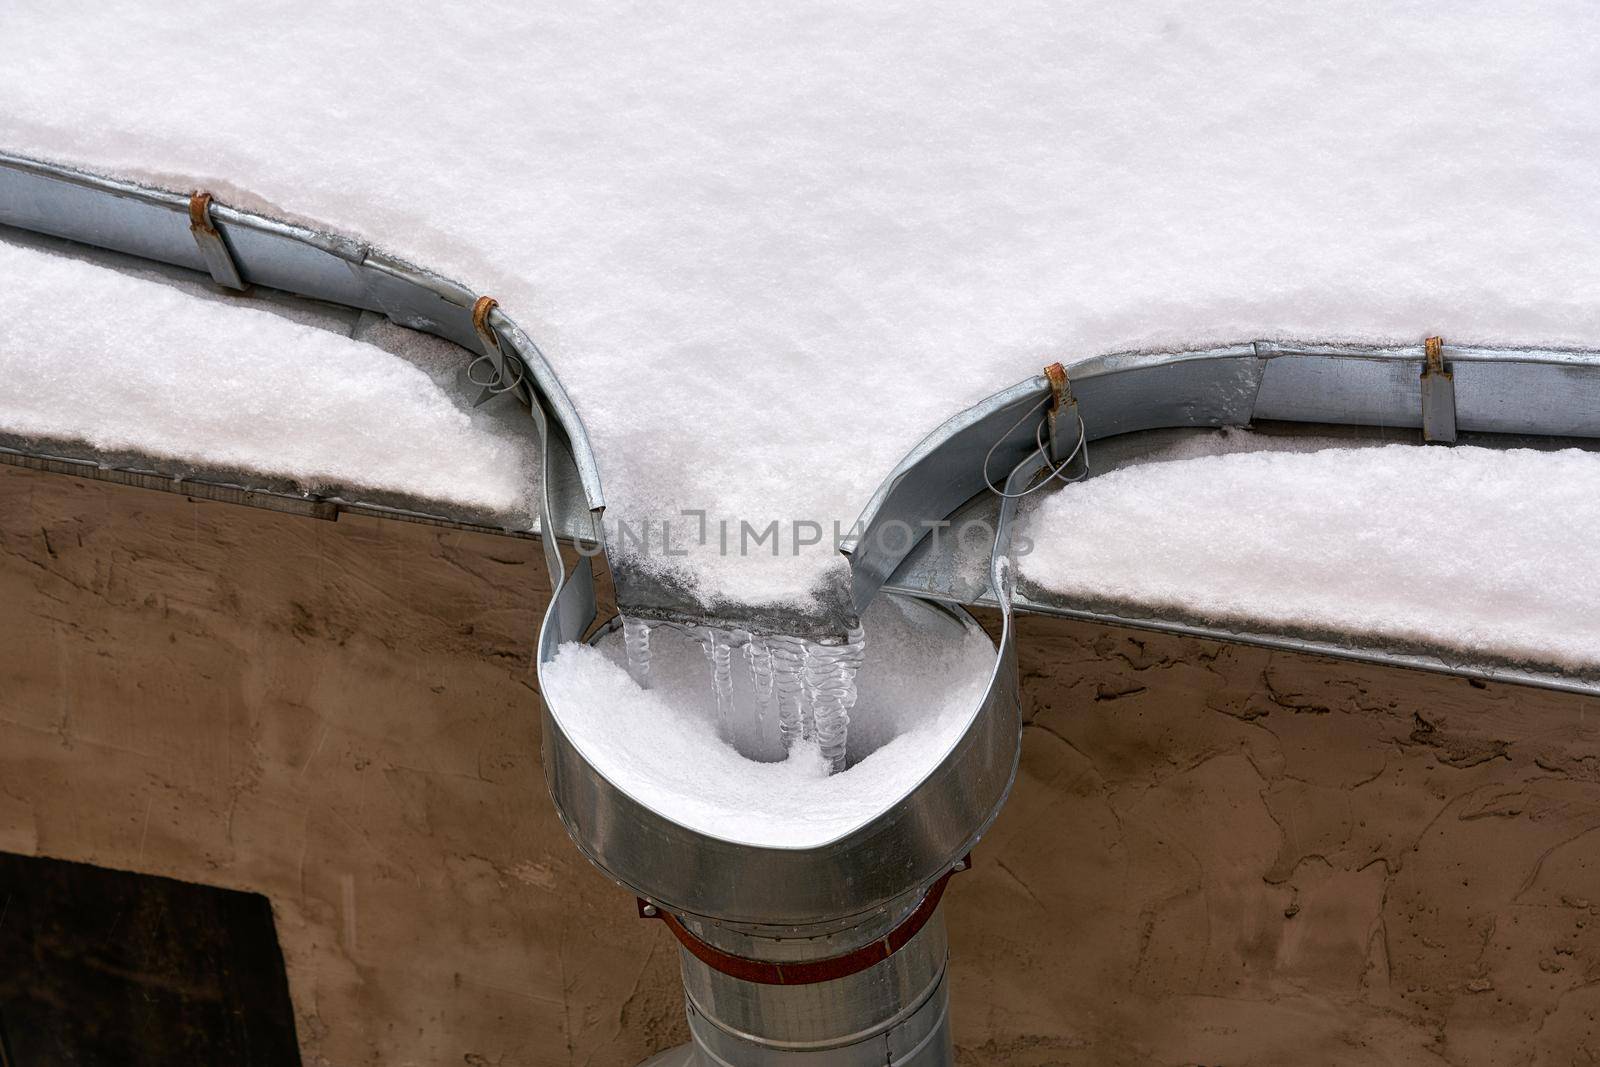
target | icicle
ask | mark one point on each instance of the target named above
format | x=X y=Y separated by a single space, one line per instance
x=720 y=648
x=830 y=685
x=812 y=685
x=758 y=661
x=636 y=639
x=787 y=656
x=750 y=648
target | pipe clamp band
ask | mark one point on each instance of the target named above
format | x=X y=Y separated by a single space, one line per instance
x=807 y=972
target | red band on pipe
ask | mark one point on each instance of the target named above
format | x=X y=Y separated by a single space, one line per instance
x=808 y=972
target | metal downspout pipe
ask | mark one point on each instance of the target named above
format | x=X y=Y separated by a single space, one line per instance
x=828 y=956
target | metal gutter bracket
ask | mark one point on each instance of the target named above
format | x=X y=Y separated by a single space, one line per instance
x=507 y=369
x=1438 y=395
x=1063 y=411
x=213 y=246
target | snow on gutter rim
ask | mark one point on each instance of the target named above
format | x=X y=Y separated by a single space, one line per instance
x=239 y=248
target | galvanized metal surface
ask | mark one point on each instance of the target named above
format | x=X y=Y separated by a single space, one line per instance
x=896 y=1012
x=787 y=944
x=946 y=469
x=647 y=592
x=1527 y=391
x=782 y=904
x=316 y=507
x=1438 y=395
x=213 y=248
x=856 y=877
x=857 y=882
x=958 y=574
x=157 y=224
x=1538 y=391
x=1497 y=390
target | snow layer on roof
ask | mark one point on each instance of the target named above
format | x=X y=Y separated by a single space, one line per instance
x=1479 y=552
x=769 y=246
x=130 y=364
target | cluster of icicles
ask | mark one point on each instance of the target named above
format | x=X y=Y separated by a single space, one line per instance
x=811 y=685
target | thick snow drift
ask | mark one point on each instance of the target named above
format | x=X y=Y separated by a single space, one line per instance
x=130 y=364
x=769 y=246
x=1476 y=551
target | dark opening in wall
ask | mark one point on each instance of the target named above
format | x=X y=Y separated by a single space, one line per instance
x=101 y=967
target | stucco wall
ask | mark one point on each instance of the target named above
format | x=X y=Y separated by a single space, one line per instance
x=1225 y=855
x=1213 y=854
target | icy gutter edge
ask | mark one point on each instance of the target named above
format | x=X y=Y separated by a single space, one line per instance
x=246 y=489
x=240 y=248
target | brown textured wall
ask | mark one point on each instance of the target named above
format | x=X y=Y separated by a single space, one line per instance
x=341 y=716
x=1218 y=854
x=1213 y=855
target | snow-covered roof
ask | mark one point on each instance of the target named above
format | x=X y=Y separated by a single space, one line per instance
x=107 y=363
x=768 y=247
x=1478 y=554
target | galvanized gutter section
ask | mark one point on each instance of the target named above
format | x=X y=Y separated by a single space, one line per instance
x=238 y=248
x=750 y=917
x=956 y=576
x=1460 y=389
x=1495 y=390
x=1500 y=391
x=248 y=491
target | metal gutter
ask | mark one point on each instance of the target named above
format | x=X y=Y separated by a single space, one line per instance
x=791 y=954
x=957 y=572
x=242 y=248
x=244 y=493
x=1541 y=391
x=1495 y=390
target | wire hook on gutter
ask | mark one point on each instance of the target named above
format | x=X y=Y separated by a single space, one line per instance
x=1062 y=403
x=502 y=363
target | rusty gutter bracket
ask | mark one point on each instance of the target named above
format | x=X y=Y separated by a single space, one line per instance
x=213 y=246
x=506 y=371
x=1438 y=395
x=1064 y=423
